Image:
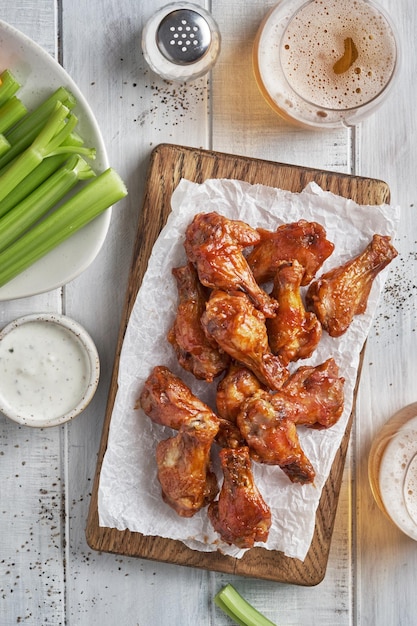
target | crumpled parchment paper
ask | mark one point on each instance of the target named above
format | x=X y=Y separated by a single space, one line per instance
x=129 y=492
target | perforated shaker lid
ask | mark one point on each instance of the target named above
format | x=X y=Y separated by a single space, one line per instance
x=183 y=36
x=181 y=41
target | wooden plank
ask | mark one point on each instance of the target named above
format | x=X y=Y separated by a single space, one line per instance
x=170 y=163
x=32 y=562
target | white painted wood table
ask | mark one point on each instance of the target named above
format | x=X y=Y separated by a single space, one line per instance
x=48 y=574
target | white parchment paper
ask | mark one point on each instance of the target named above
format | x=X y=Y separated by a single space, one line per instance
x=129 y=492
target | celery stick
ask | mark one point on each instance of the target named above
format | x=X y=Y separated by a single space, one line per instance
x=4 y=145
x=236 y=607
x=40 y=114
x=8 y=86
x=47 y=143
x=94 y=198
x=43 y=199
x=10 y=113
x=32 y=181
x=73 y=140
x=25 y=131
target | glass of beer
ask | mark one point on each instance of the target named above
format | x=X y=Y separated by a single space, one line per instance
x=324 y=63
x=392 y=468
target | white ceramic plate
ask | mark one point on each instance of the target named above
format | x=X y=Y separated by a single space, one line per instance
x=39 y=75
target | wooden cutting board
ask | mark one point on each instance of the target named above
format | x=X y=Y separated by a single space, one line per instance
x=168 y=164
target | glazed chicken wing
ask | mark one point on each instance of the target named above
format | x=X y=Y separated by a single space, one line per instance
x=167 y=400
x=294 y=333
x=214 y=244
x=340 y=294
x=316 y=394
x=272 y=436
x=239 y=328
x=302 y=240
x=195 y=351
x=240 y=515
x=238 y=384
x=184 y=466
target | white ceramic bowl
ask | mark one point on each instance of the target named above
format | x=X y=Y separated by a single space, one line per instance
x=49 y=370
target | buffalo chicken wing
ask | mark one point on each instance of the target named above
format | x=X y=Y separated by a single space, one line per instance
x=195 y=351
x=184 y=467
x=214 y=244
x=316 y=394
x=294 y=333
x=167 y=400
x=238 y=384
x=184 y=464
x=239 y=328
x=340 y=294
x=272 y=436
x=302 y=240
x=240 y=515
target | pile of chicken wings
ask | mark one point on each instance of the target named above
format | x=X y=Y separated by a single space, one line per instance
x=242 y=319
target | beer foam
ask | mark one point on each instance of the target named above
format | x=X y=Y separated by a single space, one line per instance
x=410 y=489
x=314 y=40
x=398 y=478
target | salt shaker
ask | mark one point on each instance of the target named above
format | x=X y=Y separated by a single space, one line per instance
x=181 y=41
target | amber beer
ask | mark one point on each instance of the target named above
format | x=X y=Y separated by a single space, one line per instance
x=325 y=63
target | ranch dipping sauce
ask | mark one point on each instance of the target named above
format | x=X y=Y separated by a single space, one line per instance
x=48 y=370
x=393 y=470
x=325 y=63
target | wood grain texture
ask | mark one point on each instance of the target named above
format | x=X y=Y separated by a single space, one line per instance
x=32 y=571
x=170 y=163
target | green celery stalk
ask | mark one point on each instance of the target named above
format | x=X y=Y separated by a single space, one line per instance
x=10 y=113
x=25 y=131
x=8 y=86
x=47 y=143
x=43 y=199
x=72 y=140
x=93 y=198
x=236 y=607
x=4 y=145
x=43 y=171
